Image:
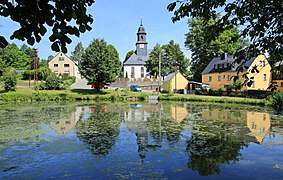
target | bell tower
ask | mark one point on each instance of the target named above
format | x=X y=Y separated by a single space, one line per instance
x=141 y=44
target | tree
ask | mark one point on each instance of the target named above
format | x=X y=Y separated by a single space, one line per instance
x=10 y=80
x=35 y=16
x=77 y=53
x=11 y=56
x=171 y=58
x=261 y=22
x=128 y=55
x=50 y=57
x=100 y=63
x=204 y=49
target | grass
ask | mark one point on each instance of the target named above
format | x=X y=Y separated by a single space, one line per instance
x=28 y=94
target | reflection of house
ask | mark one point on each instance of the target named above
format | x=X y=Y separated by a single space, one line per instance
x=62 y=64
x=179 y=113
x=175 y=82
x=65 y=125
x=257 y=123
x=219 y=72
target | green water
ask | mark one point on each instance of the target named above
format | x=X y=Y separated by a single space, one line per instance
x=139 y=141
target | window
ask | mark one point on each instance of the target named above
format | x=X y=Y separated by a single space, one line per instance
x=67 y=72
x=209 y=78
x=55 y=65
x=66 y=65
x=133 y=72
x=142 y=72
x=61 y=58
x=215 y=67
x=223 y=76
x=264 y=77
x=225 y=65
x=281 y=84
x=219 y=78
x=228 y=77
x=264 y=63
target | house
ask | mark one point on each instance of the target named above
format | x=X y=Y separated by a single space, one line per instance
x=175 y=82
x=62 y=64
x=134 y=67
x=221 y=70
x=277 y=76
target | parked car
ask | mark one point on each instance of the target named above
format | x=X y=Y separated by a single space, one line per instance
x=135 y=88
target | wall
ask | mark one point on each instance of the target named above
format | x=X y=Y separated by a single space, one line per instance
x=182 y=83
x=127 y=68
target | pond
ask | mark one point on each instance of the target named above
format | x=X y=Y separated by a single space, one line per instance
x=139 y=141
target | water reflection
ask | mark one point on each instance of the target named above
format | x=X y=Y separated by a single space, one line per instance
x=157 y=139
x=100 y=130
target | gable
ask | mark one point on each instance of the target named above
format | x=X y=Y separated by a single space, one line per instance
x=61 y=57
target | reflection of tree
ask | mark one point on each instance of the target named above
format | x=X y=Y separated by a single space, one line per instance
x=99 y=131
x=161 y=126
x=213 y=144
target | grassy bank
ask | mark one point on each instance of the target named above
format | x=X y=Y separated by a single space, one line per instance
x=215 y=99
x=28 y=94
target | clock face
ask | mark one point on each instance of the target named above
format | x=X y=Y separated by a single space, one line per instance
x=141 y=45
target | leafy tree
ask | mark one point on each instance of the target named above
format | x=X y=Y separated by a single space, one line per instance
x=12 y=56
x=172 y=58
x=128 y=55
x=52 y=81
x=77 y=53
x=204 y=49
x=100 y=63
x=261 y=22
x=50 y=57
x=10 y=80
x=35 y=16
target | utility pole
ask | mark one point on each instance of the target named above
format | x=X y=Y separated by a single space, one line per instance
x=35 y=68
x=159 y=71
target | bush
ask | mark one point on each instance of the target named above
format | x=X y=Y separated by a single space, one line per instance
x=52 y=82
x=277 y=100
x=10 y=80
x=40 y=86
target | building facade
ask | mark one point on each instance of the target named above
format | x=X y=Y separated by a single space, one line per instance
x=175 y=82
x=220 y=72
x=134 y=67
x=62 y=64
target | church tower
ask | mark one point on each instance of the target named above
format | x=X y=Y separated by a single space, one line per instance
x=141 y=44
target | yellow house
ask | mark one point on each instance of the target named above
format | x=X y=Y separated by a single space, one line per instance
x=175 y=82
x=277 y=76
x=219 y=72
x=62 y=64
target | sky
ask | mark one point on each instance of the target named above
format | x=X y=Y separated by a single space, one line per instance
x=117 y=22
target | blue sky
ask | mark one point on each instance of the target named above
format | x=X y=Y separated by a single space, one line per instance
x=117 y=22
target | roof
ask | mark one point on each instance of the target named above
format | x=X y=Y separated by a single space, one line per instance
x=169 y=77
x=54 y=57
x=138 y=59
x=228 y=59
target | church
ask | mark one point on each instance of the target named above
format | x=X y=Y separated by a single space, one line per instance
x=134 y=67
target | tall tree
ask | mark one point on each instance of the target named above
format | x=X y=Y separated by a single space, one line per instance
x=204 y=49
x=12 y=56
x=171 y=58
x=35 y=16
x=77 y=53
x=261 y=21
x=100 y=63
x=128 y=55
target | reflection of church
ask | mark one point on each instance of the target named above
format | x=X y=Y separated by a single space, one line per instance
x=257 y=123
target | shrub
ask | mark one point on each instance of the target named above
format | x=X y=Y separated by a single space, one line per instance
x=10 y=80
x=277 y=100
x=40 y=86
x=52 y=82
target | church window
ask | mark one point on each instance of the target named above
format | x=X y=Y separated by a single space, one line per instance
x=142 y=72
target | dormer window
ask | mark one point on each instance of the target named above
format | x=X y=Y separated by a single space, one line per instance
x=215 y=66
x=225 y=65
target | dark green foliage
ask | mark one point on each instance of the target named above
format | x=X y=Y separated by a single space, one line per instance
x=171 y=57
x=52 y=82
x=12 y=56
x=204 y=49
x=277 y=100
x=237 y=85
x=34 y=17
x=100 y=63
x=128 y=55
x=10 y=80
x=261 y=21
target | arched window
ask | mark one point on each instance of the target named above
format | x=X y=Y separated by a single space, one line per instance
x=142 y=72
x=133 y=72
